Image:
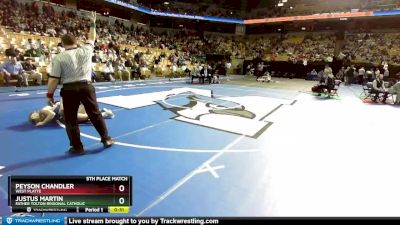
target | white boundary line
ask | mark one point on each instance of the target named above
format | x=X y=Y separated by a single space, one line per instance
x=2 y=191
x=186 y=178
x=158 y=148
x=140 y=86
x=1 y=167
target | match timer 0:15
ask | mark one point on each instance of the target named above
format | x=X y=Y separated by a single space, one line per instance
x=70 y=193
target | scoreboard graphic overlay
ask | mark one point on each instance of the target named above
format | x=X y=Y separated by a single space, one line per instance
x=61 y=194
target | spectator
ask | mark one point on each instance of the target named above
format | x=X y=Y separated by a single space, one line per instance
x=377 y=72
x=313 y=75
x=378 y=87
x=12 y=51
x=361 y=75
x=205 y=73
x=385 y=74
x=34 y=52
x=174 y=69
x=29 y=44
x=136 y=72
x=349 y=75
x=327 y=83
x=328 y=71
x=121 y=71
x=96 y=58
x=13 y=69
x=108 y=72
x=370 y=74
x=31 y=71
x=395 y=89
x=228 y=66
x=341 y=73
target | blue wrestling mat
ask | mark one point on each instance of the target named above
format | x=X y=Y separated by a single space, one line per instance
x=192 y=150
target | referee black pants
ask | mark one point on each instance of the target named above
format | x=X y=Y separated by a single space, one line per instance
x=73 y=94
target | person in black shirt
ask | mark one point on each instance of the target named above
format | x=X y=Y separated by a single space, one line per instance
x=349 y=75
x=129 y=62
x=96 y=58
x=378 y=87
x=31 y=70
x=12 y=51
x=205 y=73
x=327 y=82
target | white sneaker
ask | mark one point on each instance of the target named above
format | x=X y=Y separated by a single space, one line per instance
x=109 y=114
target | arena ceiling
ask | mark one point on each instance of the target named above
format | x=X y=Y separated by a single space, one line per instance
x=256 y=4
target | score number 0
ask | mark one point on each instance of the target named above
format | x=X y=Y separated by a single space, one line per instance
x=121 y=200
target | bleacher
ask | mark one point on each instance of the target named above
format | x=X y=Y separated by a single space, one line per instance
x=8 y=37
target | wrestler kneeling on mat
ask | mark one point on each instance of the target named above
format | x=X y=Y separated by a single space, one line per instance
x=48 y=113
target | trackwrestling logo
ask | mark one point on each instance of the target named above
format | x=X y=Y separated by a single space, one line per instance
x=31 y=220
x=244 y=115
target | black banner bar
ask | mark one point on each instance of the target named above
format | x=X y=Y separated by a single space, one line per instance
x=212 y=221
x=60 y=209
x=67 y=179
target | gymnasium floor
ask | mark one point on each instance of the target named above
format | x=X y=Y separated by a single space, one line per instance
x=222 y=149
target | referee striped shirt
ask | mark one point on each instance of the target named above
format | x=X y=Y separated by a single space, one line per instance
x=73 y=65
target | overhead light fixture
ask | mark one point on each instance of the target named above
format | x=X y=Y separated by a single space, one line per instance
x=166 y=3
x=280 y=4
x=284 y=0
x=291 y=7
x=343 y=18
x=303 y=28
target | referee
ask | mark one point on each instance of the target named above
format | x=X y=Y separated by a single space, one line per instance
x=72 y=68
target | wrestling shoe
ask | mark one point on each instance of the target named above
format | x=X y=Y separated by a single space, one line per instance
x=108 y=143
x=109 y=114
x=73 y=151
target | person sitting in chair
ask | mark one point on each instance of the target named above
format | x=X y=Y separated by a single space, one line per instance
x=56 y=111
x=395 y=89
x=266 y=77
x=378 y=87
x=215 y=78
x=187 y=72
x=108 y=72
x=205 y=73
x=327 y=82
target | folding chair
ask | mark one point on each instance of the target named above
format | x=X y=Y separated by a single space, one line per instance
x=365 y=91
x=334 y=91
x=369 y=90
x=388 y=85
